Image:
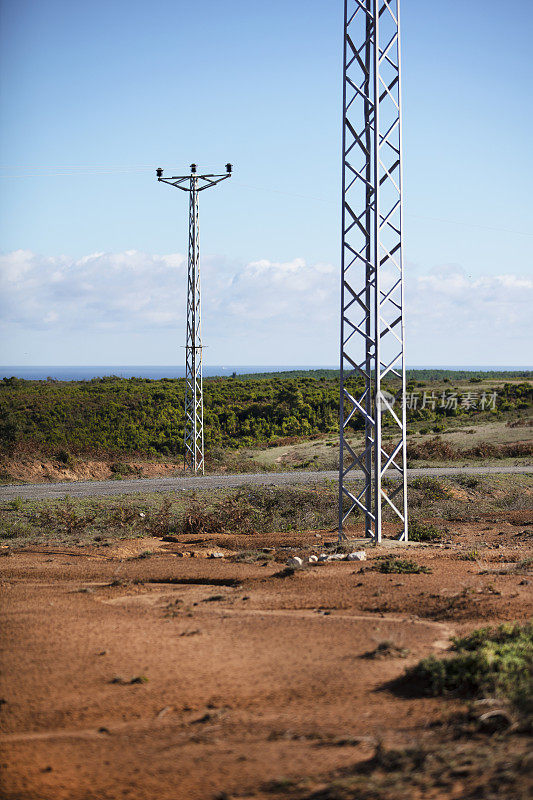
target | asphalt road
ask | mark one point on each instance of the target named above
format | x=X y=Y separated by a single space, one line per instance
x=49 y=491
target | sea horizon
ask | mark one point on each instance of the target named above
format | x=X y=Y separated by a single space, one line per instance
x=155 y=372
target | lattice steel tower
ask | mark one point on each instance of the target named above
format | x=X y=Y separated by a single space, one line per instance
x=372 y=318
x=194 y=403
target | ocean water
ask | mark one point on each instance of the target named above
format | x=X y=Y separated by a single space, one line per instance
x=84 y=373
x=72 y=373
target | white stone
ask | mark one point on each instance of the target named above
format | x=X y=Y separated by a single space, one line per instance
x=313 y=559
x=295 y=562
x=323 y=557
x=216 y=555
x=358 y=555
x=336 y=557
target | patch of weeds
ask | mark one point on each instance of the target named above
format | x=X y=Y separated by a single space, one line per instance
x=139 y=679
x=430 y=488
x=389 y=564
x=387 y=649
x=468 y=481
x=123 y=682
x=14 y=529
x=65 y=458
x=252 y=556
x=486 y=663
x=123 y=516
x=471 y=555
x=214 y=598
x=144 y=554
x=423 y=532
x=288 y=572
x=120 y=469
x=525 y=566
x=485 y=770
x=339 y=547
x=161 y=521
x=280 y=785
x=62 y=517
x=228 y=515
x=17 y=504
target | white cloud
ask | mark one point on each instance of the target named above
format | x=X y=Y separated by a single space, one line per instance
x=275 y=311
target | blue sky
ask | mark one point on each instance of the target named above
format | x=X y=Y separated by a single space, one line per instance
x=136 y=85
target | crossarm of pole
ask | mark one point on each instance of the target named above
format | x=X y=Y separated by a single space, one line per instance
x=212 y=180
x=179 y=182
x=183 y=181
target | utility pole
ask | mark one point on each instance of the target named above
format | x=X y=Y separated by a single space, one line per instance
x=372 y=316
x=194 y=401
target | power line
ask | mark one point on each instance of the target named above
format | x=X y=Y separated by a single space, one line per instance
x=112 y=170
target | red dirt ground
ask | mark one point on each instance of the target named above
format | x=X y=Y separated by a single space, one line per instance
x=244 y=678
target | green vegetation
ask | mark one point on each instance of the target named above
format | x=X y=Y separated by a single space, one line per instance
x=411 y=374
x=259 y=509
x=486 y=663
x=388 y=565
x=431 y=488
x=116 y=416
x=387 y=649
x=487 y=770
x=423 y=532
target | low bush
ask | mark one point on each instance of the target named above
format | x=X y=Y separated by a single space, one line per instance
x=430 y=488
x=388 y=564
x=423 y=532
x=486 y=663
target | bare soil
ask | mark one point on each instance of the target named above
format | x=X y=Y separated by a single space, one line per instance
x=30 y=469
x=173 y=675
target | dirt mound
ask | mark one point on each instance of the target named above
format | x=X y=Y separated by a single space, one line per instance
x=30 y=469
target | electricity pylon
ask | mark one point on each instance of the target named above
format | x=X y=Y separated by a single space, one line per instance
x=194 y=402
x=372 y=317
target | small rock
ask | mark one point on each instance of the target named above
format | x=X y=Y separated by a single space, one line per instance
x=357 y=555
x=323 y=557
x=268 y=550
x=336 y=557
x=296 y=561
x=525 y=582
x=216 y=555
x=313 y=559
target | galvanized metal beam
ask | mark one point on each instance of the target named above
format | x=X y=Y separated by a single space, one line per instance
x=372 y=318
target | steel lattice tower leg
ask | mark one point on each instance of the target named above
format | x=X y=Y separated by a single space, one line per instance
x=194 y=404
x=372 y=318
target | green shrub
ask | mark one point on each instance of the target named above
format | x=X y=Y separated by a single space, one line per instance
x=423 y=532
x=487 y=662
x=388 y=564
x=431 y=488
